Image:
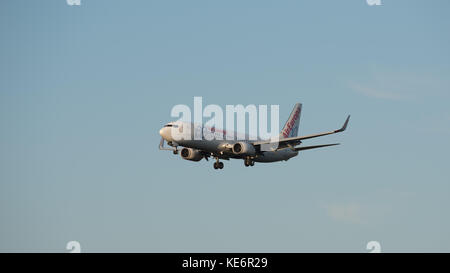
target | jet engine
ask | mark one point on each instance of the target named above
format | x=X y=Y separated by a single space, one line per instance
x=243 y=148
x=191 y=154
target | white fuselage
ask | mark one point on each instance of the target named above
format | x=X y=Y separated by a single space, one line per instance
x=219 y=145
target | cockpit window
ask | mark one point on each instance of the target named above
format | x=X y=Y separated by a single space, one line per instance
x=171 y=125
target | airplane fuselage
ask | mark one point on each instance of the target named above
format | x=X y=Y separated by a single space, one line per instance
x=220 y=147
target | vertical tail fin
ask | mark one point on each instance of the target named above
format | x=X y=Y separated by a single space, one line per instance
x=290 y=129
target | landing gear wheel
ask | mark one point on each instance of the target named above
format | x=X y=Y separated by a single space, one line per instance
x=218 y=164
x=248 y=162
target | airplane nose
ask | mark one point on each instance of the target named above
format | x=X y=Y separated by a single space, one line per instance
x=165 y=133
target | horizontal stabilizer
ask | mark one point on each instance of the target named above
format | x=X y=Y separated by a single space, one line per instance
x=314 y=147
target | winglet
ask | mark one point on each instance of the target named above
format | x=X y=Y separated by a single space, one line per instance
x=343 y=126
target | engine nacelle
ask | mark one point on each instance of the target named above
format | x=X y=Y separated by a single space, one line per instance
x=191 y=154
x=243 y=148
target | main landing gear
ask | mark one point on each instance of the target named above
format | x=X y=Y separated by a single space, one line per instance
x=218 y=164
x=248 y=162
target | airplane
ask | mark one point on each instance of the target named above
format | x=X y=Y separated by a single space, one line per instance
x=247 y=150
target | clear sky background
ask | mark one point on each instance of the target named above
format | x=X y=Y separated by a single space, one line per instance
x=85 y=89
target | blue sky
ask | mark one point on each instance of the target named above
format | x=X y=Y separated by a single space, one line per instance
x=84 y=91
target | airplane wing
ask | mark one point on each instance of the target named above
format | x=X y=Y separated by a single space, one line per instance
x=292 y=141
